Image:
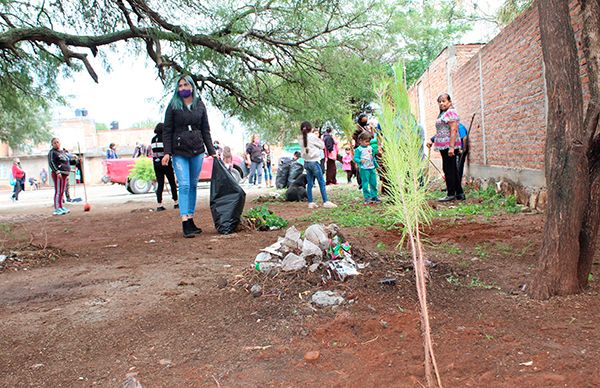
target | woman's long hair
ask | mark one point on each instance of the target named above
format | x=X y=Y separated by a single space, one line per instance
x=305 y=128
x=176 y=102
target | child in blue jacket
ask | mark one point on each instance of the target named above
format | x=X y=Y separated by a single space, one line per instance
x=364 y=156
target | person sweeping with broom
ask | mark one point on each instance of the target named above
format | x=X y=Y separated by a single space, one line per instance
x=60 y=168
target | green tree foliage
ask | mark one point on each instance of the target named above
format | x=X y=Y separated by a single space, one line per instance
x=101 y=127
x=510 y=10
x=423 y=29
x=271 y=63
x=148 y=123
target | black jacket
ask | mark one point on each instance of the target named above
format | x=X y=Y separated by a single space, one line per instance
x=187 y=132
x=59 y=161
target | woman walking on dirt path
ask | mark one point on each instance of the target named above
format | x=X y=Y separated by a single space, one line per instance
x=186 y=139
x=60 y=168
x=447 y=141
x=160 y=171
x=312 y=149
x=18 y=175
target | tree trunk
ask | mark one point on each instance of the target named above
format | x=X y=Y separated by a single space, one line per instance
x=591 y=222
x=566 y=165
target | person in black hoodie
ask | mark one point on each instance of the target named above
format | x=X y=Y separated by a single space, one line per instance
x=60 y=167
x=158 y=152
x=186 y=139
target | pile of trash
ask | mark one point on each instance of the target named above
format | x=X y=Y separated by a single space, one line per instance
x=323 y=248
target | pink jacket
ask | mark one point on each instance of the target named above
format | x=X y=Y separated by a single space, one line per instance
x=346 y=160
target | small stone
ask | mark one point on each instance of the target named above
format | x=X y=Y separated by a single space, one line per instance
x=383 y=324
x=221 y=283
x=312 y=356
x=165 y=362
x=256 y=290
x=327 y=298
x=388 y=281
x=36 y=366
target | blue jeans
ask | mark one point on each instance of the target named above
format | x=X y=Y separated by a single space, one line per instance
x=187 y=169
x=313 y=170
x=267 y=171
x=255 y=170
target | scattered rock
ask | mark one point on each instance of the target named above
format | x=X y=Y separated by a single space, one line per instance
x=312 y=356
x=256 y=290
x=327 y=298
x=131 y=382
x=388 y=281
x=221 y=282
x=37 y=366
x=165 y=362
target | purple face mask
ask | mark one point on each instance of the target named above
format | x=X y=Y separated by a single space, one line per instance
x=185 y=93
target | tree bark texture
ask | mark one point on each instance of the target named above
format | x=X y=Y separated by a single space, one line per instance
x=591 y=223
x=566 y=165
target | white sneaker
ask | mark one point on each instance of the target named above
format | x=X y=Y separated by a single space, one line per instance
x=329 y=205
x=312 y=205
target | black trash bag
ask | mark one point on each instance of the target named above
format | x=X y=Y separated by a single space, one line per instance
x=281 y=179
x=296 y=169
x=297 y=190
x=227 y=199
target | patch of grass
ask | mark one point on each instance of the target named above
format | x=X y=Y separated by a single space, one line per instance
x=590 y=277
x=449 y=248
x=380 y=246
x=504 y=248
x=464 y=264
x=476 y=283
x=350 y=211
x=454 y=280
x=6 y=228
x=481 y=251
x=487 y=203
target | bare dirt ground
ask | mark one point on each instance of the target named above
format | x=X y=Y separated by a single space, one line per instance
x=118 y=291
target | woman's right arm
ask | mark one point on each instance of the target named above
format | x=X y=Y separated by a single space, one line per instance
x=168 y=135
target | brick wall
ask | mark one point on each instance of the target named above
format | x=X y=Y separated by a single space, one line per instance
x=502 y=84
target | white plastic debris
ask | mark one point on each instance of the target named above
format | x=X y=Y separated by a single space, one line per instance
x=293 y=262
x=317 y=235
x=263 y=256
x=309 y=249
x=292 y=238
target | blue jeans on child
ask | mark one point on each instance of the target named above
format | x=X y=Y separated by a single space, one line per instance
x=187 y=169
x=313 y=170
x=369 y=183
x=267 y=171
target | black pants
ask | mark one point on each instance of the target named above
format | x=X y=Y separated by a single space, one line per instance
x=160 y=171
x=330 y=172
x=449 y=165
x=17 y=189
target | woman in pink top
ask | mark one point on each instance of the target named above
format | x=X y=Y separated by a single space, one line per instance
x=448 y=143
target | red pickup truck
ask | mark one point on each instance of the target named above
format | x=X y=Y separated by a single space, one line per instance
x=117 y=171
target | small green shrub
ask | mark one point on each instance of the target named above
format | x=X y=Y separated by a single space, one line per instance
x=265 y=219
x=143 y=170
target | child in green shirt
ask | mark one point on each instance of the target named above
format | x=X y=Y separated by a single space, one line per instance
x=364 y=156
